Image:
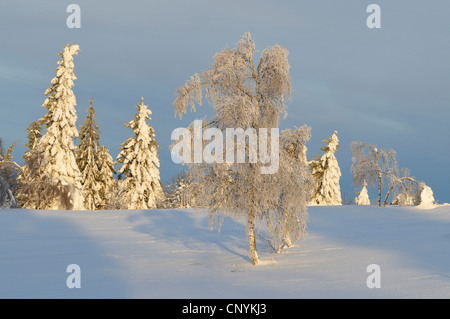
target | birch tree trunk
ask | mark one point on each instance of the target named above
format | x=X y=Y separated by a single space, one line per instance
x=251 y=236
x=379 y=176
x=379 y=189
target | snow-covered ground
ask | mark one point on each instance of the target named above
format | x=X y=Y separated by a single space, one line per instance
x=173 y=254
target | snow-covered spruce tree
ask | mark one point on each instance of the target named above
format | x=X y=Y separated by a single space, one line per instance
x=38 y=190
x=327 y=174
x=249 y=96
x=105 y=176
x=56 y=146
x=426 y=197
x=8 y=177
x=140 y=163
x=9 y=169
x=29 y=187
x=86 y=155
x=34 y=134
x=372 y=165
x=363 y=196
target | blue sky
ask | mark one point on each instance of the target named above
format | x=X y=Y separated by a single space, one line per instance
x=388 y=86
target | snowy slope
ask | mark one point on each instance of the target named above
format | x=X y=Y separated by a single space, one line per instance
x=173 y=254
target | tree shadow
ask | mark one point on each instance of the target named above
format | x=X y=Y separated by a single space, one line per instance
x=35 y=251
x=191 y=229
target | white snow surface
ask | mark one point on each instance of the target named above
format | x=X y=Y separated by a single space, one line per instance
x=173 y=254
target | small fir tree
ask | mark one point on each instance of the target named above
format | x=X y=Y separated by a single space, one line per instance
x=34 y=134
x=87 y=159
x=140 y=163
x=327 y=174
x=105 y=176
x=363 y=196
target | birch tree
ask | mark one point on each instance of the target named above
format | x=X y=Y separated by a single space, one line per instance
x=249 y=94
x=372 y=165
x=404 y=188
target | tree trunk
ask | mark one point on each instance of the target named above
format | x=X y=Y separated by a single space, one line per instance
x=251 y=236
x=286 y=238
x=379 y=176
x=387 y=194
x=379 y=190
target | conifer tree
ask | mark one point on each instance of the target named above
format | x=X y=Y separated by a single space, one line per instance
x=140 y=163
x=363 y=196
x=426 y=197
x=105 y=175
x=56 y=146
x=87 y=159
x=27 y=191
x=8 y=177
x=327 y=174
x=34 y=134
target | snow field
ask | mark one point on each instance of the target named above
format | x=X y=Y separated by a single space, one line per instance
x=173 y=254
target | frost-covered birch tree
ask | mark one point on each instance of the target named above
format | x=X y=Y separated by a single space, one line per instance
x=404 y=188
x=327 y=174
x=372 y=165
x=140 y=163
x=56 y=146
x=250 y=94
x=86 y=155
